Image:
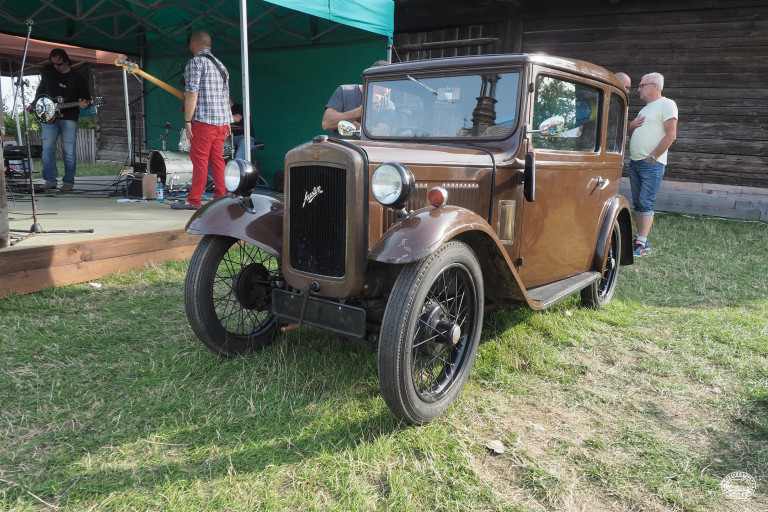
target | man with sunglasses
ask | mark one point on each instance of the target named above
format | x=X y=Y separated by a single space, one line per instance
x=652 y=132
x=62 y=84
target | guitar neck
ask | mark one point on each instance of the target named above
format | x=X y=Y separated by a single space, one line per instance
x=133 y=68
x=67 y=105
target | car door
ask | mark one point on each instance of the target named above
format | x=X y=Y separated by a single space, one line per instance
x=559 y=227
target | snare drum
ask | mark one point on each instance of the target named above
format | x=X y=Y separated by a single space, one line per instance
x=174 y=169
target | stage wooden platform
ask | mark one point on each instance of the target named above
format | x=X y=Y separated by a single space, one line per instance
x=125 y=235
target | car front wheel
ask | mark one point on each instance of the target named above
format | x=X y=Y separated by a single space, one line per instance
x=430 y=333
x=228 y=295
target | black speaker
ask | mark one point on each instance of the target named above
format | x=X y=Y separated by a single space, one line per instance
x=134 y=186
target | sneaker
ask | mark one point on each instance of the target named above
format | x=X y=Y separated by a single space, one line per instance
x=184 y=206
x=641 y=249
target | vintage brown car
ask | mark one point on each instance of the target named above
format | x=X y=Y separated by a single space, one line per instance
x=476 y=183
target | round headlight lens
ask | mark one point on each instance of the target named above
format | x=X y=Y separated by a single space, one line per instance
x=232 y=176
x=240 y=177
x=392 y=184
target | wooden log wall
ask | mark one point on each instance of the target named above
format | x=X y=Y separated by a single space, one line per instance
x=111 y=131
x=714 y=59
x=713 y=55
x=451 y=42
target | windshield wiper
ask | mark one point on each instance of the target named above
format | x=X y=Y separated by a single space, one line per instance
x=409 y=77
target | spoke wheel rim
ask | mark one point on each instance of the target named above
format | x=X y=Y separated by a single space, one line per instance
x=442 y=336
x=242 y=289
x=611 y=269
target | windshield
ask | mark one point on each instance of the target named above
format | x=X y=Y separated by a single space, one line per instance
x=482 y=105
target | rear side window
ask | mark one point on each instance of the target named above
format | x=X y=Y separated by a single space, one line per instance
x=573 y=106
x=614 y=139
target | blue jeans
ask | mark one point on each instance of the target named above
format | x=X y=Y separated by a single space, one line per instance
x=238 y=141
x=68 y=132
x=645 y=180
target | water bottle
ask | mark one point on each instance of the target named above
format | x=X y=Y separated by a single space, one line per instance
x=159 y=190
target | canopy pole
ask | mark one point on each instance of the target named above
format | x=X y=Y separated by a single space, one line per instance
x=245 y=75
x=128 y=119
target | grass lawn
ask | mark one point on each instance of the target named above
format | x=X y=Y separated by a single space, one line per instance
x=109 y=402
x=83 y=170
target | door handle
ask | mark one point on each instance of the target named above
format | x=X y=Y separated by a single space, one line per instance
x=602 y=182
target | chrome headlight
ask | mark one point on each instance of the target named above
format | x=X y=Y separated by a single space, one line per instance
x=240 y=177
x=392 y=184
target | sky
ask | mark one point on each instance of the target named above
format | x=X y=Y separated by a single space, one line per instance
x=6 y=84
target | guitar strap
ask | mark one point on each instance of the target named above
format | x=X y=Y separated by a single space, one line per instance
x=224 y=76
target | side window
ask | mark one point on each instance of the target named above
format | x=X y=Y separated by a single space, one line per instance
x=573 y=108
x=614 y=139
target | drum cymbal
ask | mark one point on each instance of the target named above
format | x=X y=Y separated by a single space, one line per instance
x=166 y=126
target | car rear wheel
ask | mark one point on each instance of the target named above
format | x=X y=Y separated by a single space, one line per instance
x=430 y=333
x=599 y=293
x=228 y=295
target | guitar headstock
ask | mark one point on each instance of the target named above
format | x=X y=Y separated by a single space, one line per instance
x=122 y=61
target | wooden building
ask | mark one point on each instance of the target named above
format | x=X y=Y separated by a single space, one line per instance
x=713 y=55
x=111 y=127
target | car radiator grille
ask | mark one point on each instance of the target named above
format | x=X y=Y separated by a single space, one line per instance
x=318 y=219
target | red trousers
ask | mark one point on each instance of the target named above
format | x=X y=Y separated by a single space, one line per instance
x=206 y=147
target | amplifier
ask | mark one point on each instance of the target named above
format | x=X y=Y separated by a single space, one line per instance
x=15 y=152
x=141 y=186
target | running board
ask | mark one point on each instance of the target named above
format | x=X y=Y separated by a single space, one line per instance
x=555 y=292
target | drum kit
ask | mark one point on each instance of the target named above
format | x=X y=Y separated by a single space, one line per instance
x=174 y=168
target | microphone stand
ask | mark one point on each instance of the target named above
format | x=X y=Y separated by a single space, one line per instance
x=36 y=228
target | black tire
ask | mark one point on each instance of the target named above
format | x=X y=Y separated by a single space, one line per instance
x=430 y=333
x=228 y=295
x=599 y=293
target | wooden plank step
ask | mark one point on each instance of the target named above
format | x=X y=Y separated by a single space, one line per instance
x=37 y=268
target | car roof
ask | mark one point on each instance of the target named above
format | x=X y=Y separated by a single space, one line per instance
x=575 y=66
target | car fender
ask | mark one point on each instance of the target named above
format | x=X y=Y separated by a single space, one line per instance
x=617 y=209
x=261 y=225
x=420 y=233
x=424 y=231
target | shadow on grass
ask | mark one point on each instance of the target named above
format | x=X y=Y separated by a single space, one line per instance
x=120 y=408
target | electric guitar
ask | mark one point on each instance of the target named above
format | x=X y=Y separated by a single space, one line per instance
x=47 y=109
x=132 y=67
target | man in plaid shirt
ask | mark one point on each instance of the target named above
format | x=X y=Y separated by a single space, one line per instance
x=207 y=118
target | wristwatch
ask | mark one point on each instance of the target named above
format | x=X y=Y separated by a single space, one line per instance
x=653 y=158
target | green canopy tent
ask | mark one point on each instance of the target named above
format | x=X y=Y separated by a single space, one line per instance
x=290 y=54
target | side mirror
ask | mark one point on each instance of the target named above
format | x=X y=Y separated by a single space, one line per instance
x=346 y=129
x=529 y=177
x=551 y=127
